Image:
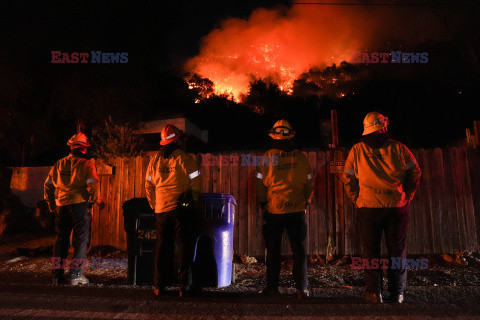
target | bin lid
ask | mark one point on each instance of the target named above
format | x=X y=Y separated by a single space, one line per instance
x=136 y=206
x=220 y=196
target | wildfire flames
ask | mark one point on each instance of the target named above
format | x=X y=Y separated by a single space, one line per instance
x=279 y=45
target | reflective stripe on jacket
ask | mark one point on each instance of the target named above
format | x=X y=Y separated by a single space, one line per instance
x=385 y=177
x=71 y=180
x=168 y=178
x=284 y=179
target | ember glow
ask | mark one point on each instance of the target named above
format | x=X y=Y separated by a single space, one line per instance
x=279 y=45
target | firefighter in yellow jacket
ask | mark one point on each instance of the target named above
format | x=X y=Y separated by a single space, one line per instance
x=284 y=187
x=171 y=176
x=381 y=176
x=70 y=190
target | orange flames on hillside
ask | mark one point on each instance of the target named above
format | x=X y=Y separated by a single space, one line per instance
x=278 y=45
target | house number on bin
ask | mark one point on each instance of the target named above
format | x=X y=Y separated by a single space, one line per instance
x=146 y=234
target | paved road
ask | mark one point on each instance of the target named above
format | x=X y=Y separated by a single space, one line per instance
x=24 y=300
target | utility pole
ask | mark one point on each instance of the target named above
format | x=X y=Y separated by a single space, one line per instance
x=80 y=126
x=476 y=127
x=336 y=225
x=333 y=117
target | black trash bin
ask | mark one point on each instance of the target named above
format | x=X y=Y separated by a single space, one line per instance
x=213 y=260
x=139 y=225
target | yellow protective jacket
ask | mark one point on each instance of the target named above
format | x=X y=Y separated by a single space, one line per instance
x=386 y=177
x=284 y=180
x=167 y=178
x=71 y=180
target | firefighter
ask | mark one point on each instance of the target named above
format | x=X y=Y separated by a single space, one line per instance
x=381 y=176
x=70 y=190
x=173 y=186
x=284 y=187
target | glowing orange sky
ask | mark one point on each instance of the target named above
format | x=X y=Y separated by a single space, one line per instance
x=279 y=44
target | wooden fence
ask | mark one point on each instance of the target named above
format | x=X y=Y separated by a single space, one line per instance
x=444 y=216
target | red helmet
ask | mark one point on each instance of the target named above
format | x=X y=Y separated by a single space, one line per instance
x=78 y=140
x=169 y=134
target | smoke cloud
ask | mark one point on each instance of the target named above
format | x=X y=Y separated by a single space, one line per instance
x=281 y=43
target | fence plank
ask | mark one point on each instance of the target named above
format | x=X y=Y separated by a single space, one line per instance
x=331 y=210
x=441 y=197
x=110 y=229
x=321 y=189
x=474 y=168
x=313 y=207
x=243 y=210
x=339 y=206
x=459 y=190
x=129 y=194
x=145 y=163
x=215 y=168
x=225 y=173
x=350 y=223
x=95 y=210
x=437 y=194
x=252 y=209
x=429 y=237
x=234 y=187
x=102 y=217
x=259 y=241
x=207 y=181
x=451 y=203
x=139 y=182
x=469 y=218
x=119 y=191
x=416 y=218
x=307 y=217
x=418 y=214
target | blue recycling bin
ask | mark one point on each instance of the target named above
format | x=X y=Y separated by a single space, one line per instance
x=213 y=259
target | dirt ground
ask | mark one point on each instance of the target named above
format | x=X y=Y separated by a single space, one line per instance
x=29 y=256
x=449 y=288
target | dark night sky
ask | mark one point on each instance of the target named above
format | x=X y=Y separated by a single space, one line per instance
x=161 y=34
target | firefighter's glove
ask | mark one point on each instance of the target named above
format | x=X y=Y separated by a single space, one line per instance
x=100 y=203
x=52 y=207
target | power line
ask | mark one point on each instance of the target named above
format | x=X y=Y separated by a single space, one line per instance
x=380 y=4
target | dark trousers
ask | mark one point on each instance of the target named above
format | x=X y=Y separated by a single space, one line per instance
x=394 y=222
x=173 y=225
x=274 y=225
x=76 y=217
